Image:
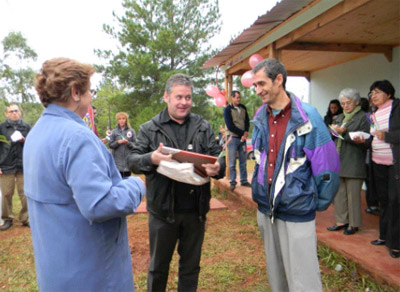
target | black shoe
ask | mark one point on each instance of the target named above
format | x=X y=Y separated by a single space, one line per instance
x=232 y=187
x=350 y=230
x=246 y=184
x=394 y=253
x=7 y=225
x=373 y=210
x=26 y=224
x=337 y=227
x=378 y=242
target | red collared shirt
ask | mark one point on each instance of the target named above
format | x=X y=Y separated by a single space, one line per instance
x=277 y=126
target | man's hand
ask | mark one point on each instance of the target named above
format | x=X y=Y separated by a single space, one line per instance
x=22 y=140
x=212 y=169
x=157 y=156
x=244 y=137
x=1 y=172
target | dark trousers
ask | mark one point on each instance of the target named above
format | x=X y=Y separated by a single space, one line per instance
x=371 y=196
x=188 y=232
x=388 y=189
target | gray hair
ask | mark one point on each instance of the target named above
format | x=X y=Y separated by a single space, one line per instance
x=178 y=79
x=272 y=67
x=350 y=93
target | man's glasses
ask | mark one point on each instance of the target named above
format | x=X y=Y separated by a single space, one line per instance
x=13 y=111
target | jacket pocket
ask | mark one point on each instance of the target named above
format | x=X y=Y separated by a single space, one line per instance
x=299 y=194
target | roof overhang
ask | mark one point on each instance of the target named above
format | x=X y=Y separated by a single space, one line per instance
x=309 y=35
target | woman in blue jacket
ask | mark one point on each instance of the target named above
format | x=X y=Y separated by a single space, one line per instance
x=77 y=200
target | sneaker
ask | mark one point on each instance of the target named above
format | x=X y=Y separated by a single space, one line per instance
x=246 y=184
x=232 y=187
x=7 y=225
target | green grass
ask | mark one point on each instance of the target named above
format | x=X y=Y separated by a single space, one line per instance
x=232 y=260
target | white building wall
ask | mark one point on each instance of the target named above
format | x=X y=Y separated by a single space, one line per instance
x=326 y=84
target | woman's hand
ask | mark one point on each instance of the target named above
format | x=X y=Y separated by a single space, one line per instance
x=380 y=134
x=359 y=140
x=339 y=129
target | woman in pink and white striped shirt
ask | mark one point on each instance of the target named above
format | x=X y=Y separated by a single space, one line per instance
x=385 y=146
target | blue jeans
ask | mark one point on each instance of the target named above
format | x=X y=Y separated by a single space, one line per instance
x=235 y=146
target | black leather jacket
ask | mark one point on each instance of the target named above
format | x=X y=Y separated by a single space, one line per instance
x=161 y=189
x=11 y=155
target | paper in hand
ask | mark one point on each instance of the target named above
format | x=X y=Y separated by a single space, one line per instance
x=16 y=136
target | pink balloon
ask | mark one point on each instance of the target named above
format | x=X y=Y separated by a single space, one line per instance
x=255 y=59
x=247 y=79
x=220 y=100
x=212 y=90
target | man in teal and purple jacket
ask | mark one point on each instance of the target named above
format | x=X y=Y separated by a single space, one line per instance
x=296 y=174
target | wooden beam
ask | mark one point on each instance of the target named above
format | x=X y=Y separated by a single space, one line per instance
x=306 y=74
x=387 y=50
x=334 y=13
x=243 y=65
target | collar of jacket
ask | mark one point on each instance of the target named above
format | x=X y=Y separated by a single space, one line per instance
x=60 y=111
x=195 y=123
x=10 y=123
x=298 y=117
x=240 y=105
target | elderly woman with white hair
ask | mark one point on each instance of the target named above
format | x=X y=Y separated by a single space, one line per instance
x=352 y=162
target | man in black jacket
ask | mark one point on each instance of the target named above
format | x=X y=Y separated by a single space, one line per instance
x=177 y=210
x=15 y=130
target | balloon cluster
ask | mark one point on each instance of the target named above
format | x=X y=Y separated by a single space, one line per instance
x=247 y=77
x=218 y=95
x=247 y=81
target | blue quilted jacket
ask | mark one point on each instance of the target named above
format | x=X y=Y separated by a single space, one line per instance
x=306 y=175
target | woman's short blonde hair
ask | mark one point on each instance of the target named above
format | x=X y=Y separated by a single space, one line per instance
x=125 y=115
x=57 y=77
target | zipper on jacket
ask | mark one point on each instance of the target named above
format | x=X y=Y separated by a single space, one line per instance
x=171 y=214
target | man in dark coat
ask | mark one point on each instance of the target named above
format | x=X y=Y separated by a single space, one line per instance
x=177 y=210
x=15 y=131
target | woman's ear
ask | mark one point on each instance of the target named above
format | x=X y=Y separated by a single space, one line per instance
x=75 y=94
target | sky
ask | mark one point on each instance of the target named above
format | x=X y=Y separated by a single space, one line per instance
x=74 y=28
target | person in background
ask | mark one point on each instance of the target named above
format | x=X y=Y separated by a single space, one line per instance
x=77 y=200
x=120 y=137
x=237 y=122
x=15 y=131
x=334 y=109
x=385 y=146
x=371 y=197
x=94 y=110
x=352 y=163
x=296 y=173
x=177 y=211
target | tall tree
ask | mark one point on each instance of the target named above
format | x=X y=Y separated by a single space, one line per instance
x=16 y=77
x=158 y=38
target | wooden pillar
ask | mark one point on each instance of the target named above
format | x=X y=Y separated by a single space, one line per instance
x=228 y=90
x=273 y=52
